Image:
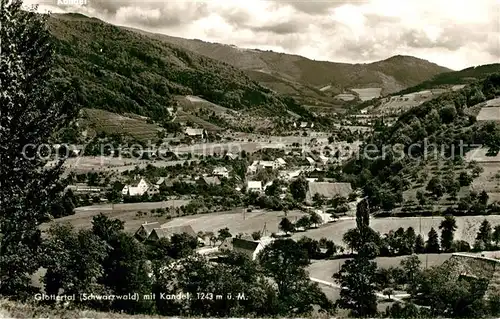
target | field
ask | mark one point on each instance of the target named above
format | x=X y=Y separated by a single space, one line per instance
x=125 y=212
x=368 y=93
x=467 y=227
x=345 y=97
x=237 y=221
x=324 y=269
x=184 y=117
x=489 y=114
x=110 y=123
x=114 y=164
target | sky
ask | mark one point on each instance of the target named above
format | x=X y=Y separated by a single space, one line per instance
x=452 y=33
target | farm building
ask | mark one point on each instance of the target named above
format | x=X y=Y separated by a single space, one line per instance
x=168 y=232
x=328 y=190
x=254 y=186
x=221 y=171
x=231 y=156
x=138 y=188
x=84 y=188
x=251 y=248
x=280 y=162
x=145 y=230
x=209 y=180
x=195 y=132
x=476 y=267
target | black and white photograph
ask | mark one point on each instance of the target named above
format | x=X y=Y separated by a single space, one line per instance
x=249 y=159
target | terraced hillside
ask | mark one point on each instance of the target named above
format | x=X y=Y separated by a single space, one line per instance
x=123 y=71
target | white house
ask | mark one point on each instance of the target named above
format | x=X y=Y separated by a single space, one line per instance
x=251 y=169
x=221 y=171
x=280 y=162
x=254 y=186
x=251 y=248
x=138 y=188
x=195 y=132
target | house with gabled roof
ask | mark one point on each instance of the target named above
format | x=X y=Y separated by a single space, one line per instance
x=248 y=247
x=168 y=232
x=137 y=188
x=254 y=186
x=209 y=180
x=146 y=229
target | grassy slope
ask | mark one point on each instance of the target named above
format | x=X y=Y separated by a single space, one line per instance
x=392 y=74
x=123 y=71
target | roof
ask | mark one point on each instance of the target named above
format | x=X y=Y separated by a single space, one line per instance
x=193 y=131
x=245 y=244
x=266 y=163
x=310 y=160
x=211 y=180
x=167 y=232
x=148 y=227
x=254 y=184
x=160 y=181
x=220 y=170
x=328 y=190
x=281 y=161
x=231 y=156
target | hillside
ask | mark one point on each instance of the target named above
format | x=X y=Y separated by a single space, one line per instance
x=125 y=72
x=445 y=124
x=447 y=79
x=293 y=74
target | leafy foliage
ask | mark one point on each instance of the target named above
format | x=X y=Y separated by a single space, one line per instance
x=35 y=105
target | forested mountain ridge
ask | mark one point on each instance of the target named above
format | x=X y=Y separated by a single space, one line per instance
x=123 y=71
x=288 y=73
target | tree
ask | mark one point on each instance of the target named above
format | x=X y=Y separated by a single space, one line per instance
x=34 y=107
x=315 y=219
x=299 y=188
x=357 y=280
x=352 y=239
x=436 y=187
x=419 y=244
x=421 y=198
x=106 y=228
x=126 y=270
x=464 y=179
x=286 y=225
x=73 y=261
x=411 y=268
x=496 y=235
x=432 y=244
x=409 y=241
x=284 y=261
x=388 y=292
x=484 y=235
x=448 y=227
x=483 y=198
x=303 y=222
x=223 y=234
x=256 y=235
